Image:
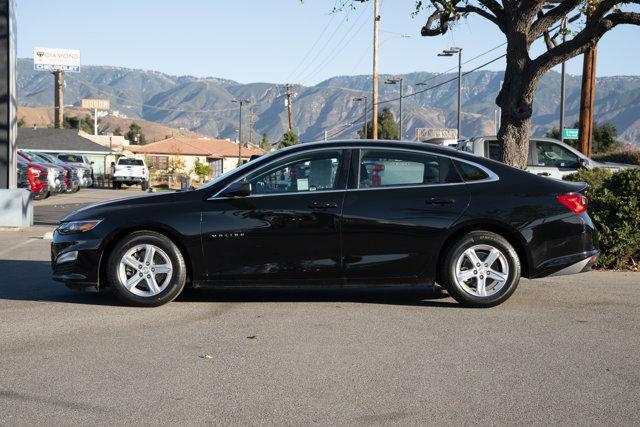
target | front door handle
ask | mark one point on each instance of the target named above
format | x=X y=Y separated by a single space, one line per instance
x=544 y=174
x=439 y=201
x=323 y=205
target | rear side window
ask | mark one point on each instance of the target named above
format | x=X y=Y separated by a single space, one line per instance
x=130 y=162
x=391 y=168
x=470 y=173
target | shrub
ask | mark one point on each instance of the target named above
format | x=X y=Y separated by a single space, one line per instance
x=615 y=209
x=631 y=157
x=202 y=169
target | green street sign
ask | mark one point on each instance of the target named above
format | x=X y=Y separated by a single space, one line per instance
x=570 y=134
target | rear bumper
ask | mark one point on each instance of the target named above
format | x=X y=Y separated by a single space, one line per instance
x=570 y=264
x=125 y=179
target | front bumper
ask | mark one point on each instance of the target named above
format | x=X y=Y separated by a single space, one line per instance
x=80 y=270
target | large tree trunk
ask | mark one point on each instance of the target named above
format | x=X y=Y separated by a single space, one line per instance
x=515 y=100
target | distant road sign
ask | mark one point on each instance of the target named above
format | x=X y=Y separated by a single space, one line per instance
x=425 y=134
x=47 y=59
x=570 y=134
x=96 y=104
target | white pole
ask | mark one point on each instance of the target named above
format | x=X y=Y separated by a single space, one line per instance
x=95 y=121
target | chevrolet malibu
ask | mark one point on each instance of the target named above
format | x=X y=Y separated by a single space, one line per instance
x=368 y=213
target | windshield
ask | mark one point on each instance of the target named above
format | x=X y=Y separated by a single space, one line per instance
x=130 y=162
x=70 y=158
x=48 y=158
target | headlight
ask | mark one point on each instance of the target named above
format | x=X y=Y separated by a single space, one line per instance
x=73 y=227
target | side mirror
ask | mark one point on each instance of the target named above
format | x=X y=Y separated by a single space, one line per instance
x=238 y=189
x=584 y=163
x=92 y=162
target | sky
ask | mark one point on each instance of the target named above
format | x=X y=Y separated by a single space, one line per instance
x=274 y=41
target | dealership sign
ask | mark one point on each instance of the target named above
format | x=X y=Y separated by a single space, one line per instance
x=96 y=104
x=47 y=59
x=425 y=134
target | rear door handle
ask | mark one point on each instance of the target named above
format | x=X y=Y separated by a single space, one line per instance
x=323 y=205
x=439 y=201
x=544 y=174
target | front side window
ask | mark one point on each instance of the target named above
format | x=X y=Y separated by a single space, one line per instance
x=380 y=168
x=554 y=155
x=309 y=172
x=494 y=150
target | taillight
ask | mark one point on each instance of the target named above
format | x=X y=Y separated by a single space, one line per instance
x=577 y=203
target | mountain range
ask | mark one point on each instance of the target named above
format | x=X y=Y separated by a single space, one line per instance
x=204 y=105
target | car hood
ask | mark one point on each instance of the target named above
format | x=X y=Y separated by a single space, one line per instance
x=616 y=166
x=108 y=208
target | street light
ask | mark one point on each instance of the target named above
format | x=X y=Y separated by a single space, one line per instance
x=363 y=98
x=241 y=102
x=450 y=52
x=392 y=82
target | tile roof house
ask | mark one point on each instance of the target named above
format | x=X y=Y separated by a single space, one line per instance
x=222 y=155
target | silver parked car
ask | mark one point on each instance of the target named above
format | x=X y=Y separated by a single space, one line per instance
x=85 y=170
x=547 y=156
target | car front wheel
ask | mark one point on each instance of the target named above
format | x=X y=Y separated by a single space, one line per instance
x=481 y=269
x=146 y=269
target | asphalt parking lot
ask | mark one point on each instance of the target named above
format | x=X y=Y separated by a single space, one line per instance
x=561 y=351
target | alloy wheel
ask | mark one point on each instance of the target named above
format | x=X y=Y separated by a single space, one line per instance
x=482 y=270
x=145 y=270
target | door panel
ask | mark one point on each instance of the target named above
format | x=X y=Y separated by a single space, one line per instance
x=286 y=229
x=397 y=231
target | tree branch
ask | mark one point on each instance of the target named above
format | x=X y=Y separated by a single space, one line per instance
x=581 y=42
x=494 y=7
x=483 y=13
x=546 y=20
x=443 y=24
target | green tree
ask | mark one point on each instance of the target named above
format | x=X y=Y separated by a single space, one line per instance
x=202 y=169
x=84 y=124
x=522 y=23
x=21 y=122
x=117 y=131
x=265 y=144
x=387 y=126
x=134 y=134
x=289 y=138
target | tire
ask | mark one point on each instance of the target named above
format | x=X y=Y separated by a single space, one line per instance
x=164 y=287
x=145 y=185
x=463 y=280
x=117 y=185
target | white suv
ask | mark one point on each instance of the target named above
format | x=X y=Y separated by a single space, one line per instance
x=547 y=156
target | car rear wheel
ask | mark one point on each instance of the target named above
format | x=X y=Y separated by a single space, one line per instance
x=146 y=269
x=145 y=185
x=481 y=269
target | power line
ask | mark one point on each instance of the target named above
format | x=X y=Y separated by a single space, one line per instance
x=355 y=122
x=339 y=47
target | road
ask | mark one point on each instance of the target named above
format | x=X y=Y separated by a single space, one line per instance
x=561 y=351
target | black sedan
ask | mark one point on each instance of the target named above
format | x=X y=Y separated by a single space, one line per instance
x=336 y=213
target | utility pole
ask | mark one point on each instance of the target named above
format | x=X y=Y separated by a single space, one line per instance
x=374 y=100
x=562 y=81
x=250 y=125
x=58 y=106
x=587 y=94
x=241 y=102
x=289 y=97
x=450 y=52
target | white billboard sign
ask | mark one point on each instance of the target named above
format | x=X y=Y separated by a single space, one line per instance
x=47 y=59
x=425 y=134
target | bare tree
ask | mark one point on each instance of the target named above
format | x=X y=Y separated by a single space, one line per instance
x=523 y=22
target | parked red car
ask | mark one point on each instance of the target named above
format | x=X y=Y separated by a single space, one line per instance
x=34 y=177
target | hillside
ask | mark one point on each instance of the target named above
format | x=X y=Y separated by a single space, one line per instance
x=43 y=117
x=203 y=105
